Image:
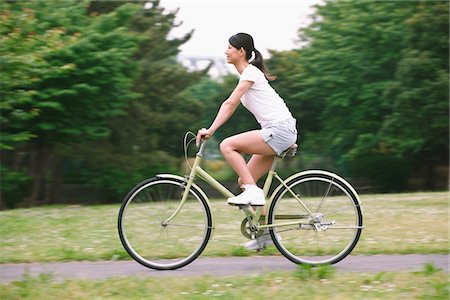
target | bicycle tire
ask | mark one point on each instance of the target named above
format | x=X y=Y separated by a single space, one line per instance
x=305 y=244
x=164 y=246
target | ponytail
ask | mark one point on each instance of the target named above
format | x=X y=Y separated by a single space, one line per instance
x=244 y=40
x=258 y=62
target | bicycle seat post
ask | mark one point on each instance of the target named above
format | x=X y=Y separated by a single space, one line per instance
x=269 y=177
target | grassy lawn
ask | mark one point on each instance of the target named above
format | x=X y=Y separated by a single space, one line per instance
x=395 y=223
x=304 y=283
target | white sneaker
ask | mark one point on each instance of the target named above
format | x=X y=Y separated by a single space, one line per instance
x=252 y=195
x=261 y=242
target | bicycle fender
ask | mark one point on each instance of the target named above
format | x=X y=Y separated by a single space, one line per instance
x=197 y=188
x=320 y=172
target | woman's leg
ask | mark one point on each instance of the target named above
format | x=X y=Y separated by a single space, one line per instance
x=250 y=142
x=258 y=166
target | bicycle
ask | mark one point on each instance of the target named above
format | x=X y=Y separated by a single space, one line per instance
x=314 y=217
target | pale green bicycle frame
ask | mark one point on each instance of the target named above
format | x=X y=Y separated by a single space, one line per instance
x=253 y=216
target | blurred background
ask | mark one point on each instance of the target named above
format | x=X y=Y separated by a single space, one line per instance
x=96 y=96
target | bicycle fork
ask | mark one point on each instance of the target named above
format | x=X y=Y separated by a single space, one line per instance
x=187 y=184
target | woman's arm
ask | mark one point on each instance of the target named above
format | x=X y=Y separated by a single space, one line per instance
x=229 y=106
x=226 y=110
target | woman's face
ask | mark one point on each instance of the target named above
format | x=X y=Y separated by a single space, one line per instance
x=233 y=54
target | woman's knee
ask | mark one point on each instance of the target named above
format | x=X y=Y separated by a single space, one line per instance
x=225 y=146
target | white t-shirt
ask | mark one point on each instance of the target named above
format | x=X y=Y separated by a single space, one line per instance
x=262 y=100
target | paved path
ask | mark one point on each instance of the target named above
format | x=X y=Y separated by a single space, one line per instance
x=222 y=266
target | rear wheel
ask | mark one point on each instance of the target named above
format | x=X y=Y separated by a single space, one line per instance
x=329 y=233
x=152 y=241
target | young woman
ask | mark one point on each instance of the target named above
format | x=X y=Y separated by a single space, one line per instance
x=278 y=127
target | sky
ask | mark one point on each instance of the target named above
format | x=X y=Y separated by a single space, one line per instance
x=273 y=24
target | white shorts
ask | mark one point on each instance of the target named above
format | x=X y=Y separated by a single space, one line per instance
x=281 y=135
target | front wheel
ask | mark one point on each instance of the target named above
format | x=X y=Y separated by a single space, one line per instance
x=149 y=238
x=326 y=233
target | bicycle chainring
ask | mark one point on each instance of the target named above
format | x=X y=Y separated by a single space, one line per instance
x=247 y=231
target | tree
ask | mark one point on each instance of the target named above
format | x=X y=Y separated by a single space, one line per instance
x=23 y=66
x=87 y=83
x=365 y=71
x=418 y=126
x=147 y=139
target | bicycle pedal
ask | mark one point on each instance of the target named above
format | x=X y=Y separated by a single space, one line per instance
x=261 y=249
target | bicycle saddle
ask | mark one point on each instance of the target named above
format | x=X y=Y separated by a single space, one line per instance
x=291 y=151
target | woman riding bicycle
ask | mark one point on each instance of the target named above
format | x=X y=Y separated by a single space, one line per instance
x=278 y=127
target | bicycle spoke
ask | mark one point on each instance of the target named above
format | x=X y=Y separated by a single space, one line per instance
x=346 y=227
x=325 y=196
x=186 y=225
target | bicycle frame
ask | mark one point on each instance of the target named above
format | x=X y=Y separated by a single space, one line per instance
x=253 y=216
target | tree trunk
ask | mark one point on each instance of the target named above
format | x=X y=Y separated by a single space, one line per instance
x=57 y=179
x=38 y=162
x=2 y=204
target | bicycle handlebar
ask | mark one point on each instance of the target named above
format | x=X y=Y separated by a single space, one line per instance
x=201 y=146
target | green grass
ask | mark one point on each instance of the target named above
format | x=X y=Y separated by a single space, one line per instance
x=395 y=224
x=320 y=283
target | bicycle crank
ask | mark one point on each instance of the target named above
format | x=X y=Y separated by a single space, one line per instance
x=249 y=232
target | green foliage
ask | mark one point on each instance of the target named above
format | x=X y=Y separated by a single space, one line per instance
x=429 y=269
x=147 y=139
x=240 y=251
x=66 y=73
x=435 y=290
x=371 y=84
x=306 y=272
x=23 y=65
x=120 y=172
x=88 y=75
x=13 y=187
x=418 y=124
x=96 y=84
x=387 y=172
x=325 y=272
x=80 y=70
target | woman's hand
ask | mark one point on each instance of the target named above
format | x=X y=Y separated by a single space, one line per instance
x=203 y=134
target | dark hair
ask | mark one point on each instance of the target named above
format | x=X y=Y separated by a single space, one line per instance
x=244 y=40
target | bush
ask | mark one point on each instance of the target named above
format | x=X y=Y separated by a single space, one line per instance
x=119 y=180
x=14 y=187
x=387 y=173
